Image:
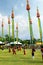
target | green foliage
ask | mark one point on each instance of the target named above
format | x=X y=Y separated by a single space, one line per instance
x=34 y=41
x=38 y=40
x=9 y=39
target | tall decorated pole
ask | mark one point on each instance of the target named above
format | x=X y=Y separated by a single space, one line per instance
x=30 y=21
x=39 y=24
x=9 y=28
x=17 y=32
x=2 y=30
x=12 y=16
x=31 y=32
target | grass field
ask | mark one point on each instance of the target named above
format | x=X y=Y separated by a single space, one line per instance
x=20 y=59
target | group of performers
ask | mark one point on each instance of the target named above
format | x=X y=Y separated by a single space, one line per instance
x=24 y=50
x=14 y=49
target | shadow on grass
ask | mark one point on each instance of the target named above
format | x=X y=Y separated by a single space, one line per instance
x=30 y=60
x=22 y=60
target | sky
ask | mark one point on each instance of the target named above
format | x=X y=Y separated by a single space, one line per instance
x=21 y=16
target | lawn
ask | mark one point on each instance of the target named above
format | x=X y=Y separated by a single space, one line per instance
x=7 y=58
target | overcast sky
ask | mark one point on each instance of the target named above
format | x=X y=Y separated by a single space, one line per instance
x=21 y=16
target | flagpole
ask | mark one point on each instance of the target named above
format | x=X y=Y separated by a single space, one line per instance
x=12 y=16
x=39 y=22
x=17 y=32
x=9 y=27
x=31 y=32
x=30 y=22
x=2 y=30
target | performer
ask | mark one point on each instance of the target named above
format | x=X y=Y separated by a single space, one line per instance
x=14 y=50
x=42 y=51
x=9 y=49
x=19 y=48
x=24 y=51
x=33 y=50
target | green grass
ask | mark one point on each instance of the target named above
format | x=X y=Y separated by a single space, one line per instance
x=20 y=59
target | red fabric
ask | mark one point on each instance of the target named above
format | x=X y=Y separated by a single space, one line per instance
x=42 y=49
x=14 y=51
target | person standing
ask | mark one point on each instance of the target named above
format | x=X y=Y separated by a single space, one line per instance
x=42 y=51
x=33 y=50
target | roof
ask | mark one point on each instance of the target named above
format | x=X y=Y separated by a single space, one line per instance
x=15 y=42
